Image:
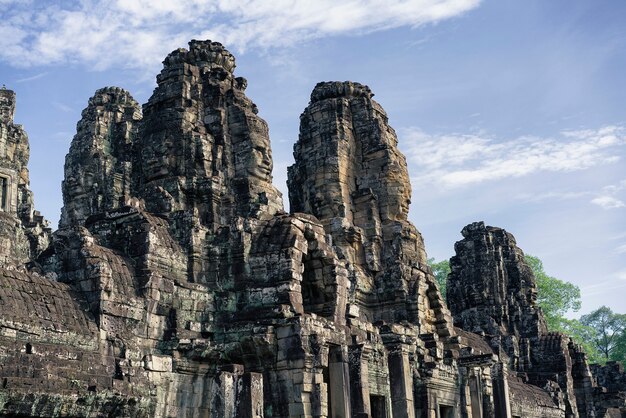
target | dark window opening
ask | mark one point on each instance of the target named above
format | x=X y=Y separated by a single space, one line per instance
x=326 y=375
x=3 y=193
x=316 y=297
x=377 y=406
x=446 y=411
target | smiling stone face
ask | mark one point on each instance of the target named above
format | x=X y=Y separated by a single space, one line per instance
x=260 y=162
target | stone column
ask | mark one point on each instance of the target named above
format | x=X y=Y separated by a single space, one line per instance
x=339 y=377
x=250 y=402
x=224 y=393
x=502 y=403
x=359 y=385
x=401 y=382
x=475 y=395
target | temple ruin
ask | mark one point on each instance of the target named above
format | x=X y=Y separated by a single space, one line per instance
x=178 y=286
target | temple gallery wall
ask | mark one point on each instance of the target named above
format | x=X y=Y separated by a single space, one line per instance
x=178 y=286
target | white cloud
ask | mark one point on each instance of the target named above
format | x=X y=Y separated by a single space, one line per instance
x=456 y=160
x=139 y=33
x=62 y=107
x=557 y=195
x=31 y=78
x=608 y=198
x=608 y=202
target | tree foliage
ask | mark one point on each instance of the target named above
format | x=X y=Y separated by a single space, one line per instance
x=556 y=297
x=619 y=353
x=441 y=270
x=582 y=335
x=610 y=332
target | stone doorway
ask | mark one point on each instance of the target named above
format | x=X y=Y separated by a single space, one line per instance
x=318 y=296
x=446 y=411
x=378 y=407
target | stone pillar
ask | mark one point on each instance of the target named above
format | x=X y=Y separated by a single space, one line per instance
x=224 y=393
x=475 y=395
x=250 y=402
x=359 y=385
x=339 y=383
x=401 y=382
x=501 y=399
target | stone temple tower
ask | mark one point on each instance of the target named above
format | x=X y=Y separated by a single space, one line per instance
x=8 y=185
x=23 y=231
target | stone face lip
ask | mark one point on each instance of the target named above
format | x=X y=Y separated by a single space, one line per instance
x=177 y=285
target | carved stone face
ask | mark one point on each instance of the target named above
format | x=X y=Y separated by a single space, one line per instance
x=80 y=183
x=259 y=161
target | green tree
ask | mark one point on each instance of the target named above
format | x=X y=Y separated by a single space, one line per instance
x=610 y=330
x=619 y=353
x=556 y=297
x=582 y=335
x=441 y=270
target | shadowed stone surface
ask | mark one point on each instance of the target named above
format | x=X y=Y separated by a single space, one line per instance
x=177 y=286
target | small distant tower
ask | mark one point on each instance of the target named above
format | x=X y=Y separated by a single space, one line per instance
x=7 y=105
x=8 y=169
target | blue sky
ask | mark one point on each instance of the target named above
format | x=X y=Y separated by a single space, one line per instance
x=510 y=112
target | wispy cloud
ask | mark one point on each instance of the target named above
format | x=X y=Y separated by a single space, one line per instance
x=62 y=107
x=455 y=160
x=139 y=33
x=31 y=78
x=608 y=202
x=608 y=197
x=557 y=195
